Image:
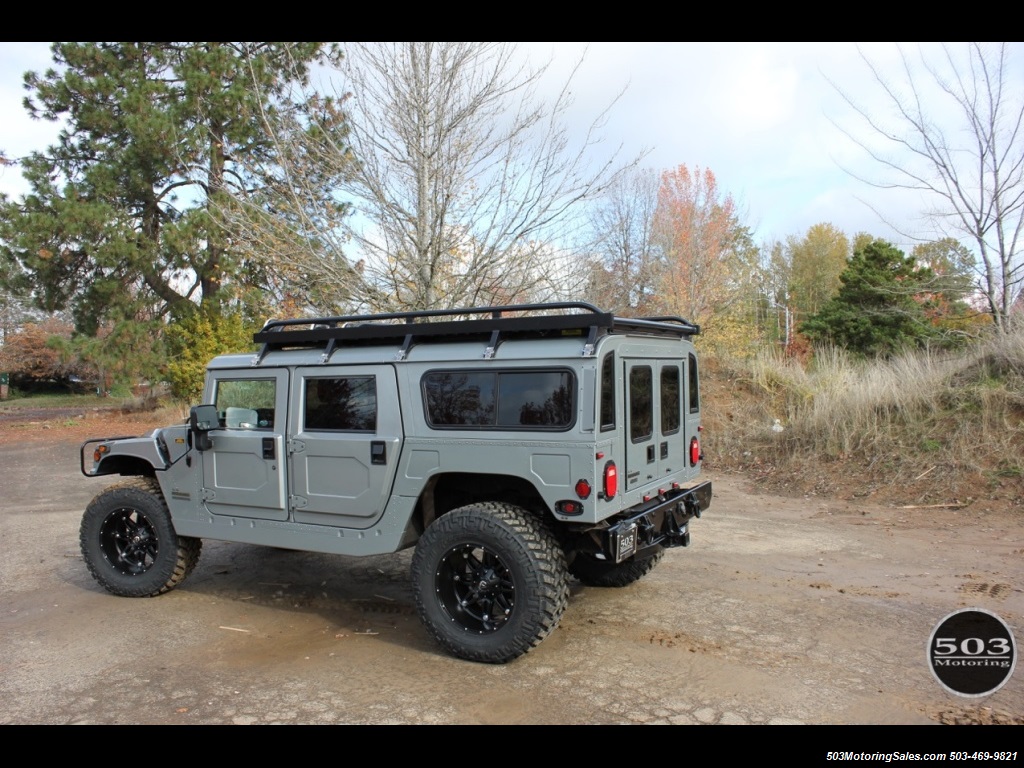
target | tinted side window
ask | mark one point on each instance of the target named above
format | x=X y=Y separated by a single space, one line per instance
x=694 y=386
x=608 y=393
x=641 y=403
x=459 y=398
x=347 y=403
x=536 y=398
x=499 y=399
x=671 y=400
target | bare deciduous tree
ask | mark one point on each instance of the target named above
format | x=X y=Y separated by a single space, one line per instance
x=974 y=174
x=291 y=236
x=624 y=277
x=463 y=178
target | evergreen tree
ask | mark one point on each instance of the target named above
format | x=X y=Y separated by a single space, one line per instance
x=880 y=305
x=122 y=218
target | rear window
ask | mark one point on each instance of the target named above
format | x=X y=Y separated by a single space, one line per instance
x=608 y=393
x=641 y=403
x=670 y=400
x=694 y=385
x=533 y=399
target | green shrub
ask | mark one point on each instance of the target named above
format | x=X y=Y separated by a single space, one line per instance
x=196 y=339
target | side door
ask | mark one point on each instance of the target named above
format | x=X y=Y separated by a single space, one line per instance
x=655 y=444
x=244 y=471
x=347 y=435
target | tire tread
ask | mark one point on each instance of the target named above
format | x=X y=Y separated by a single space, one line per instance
x=140 y=490
x=521 y=529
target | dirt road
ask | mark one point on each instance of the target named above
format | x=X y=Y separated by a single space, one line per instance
x=782 y=610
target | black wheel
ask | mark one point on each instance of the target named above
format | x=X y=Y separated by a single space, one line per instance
x=600 y=573
x=490 y=582
x=129 y=543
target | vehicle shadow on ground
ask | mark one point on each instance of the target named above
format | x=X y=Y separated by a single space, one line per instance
x=288 y=595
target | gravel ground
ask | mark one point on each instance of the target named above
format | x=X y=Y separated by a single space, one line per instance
x=782 y=611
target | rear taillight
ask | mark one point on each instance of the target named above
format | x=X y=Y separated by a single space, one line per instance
x=694 y=452
x=611 y=480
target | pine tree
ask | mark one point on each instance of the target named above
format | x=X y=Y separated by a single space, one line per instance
x=122 y=217
x=879 y=307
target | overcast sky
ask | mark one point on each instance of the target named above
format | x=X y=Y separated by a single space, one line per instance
x=762 y=116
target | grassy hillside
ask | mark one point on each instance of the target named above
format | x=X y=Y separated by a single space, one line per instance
x=924 y=428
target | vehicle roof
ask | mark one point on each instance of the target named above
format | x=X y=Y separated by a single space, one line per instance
x=550 y=350
x=519 y=331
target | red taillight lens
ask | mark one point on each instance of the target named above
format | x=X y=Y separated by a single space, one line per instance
x=694 y=452
x=583 y=489
x=611 y=480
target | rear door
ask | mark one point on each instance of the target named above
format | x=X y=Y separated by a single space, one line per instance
x=346 y=439
x=655 y=445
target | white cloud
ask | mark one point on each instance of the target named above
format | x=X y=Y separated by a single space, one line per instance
x=759 y=115
x=20 y=134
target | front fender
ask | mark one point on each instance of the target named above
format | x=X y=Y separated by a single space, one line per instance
x=127 y=455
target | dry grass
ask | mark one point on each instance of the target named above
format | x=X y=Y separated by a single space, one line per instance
x=924 y=425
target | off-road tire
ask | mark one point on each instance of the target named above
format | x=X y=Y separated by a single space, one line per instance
x=129 y=543
x=490 y=582
x=600 y=573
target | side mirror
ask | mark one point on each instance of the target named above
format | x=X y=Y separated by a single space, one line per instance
x=203 y=418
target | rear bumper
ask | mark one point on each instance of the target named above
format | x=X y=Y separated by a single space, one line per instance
x=659 y=523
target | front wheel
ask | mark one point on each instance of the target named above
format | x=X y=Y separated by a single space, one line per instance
x=490 y=582
x=129 y=543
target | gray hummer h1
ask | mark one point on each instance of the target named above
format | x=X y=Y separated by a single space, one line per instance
x=514 y=446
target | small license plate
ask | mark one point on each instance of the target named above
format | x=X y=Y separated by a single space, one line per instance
x=624 y=542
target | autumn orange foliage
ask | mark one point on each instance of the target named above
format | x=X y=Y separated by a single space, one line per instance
x=695 y=225
x=31 y=354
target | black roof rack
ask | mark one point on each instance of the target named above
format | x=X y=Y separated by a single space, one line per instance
x=494 y=323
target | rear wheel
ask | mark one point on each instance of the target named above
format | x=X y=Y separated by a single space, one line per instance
x=601 y=573
x=490 y=582
x=129 y=543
